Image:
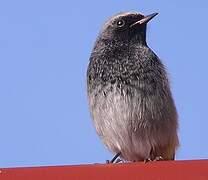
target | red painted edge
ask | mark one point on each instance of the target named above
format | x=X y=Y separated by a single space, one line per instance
x=160 y=170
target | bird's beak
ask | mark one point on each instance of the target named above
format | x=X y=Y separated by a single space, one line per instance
x=145 y=19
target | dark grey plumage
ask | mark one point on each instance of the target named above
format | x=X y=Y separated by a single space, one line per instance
x=129 y=94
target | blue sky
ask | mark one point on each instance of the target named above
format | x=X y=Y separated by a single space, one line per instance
x=44 y=52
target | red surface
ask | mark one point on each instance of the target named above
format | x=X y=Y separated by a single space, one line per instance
x=161 y=170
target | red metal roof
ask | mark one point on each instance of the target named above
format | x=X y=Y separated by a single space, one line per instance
x=160 y=170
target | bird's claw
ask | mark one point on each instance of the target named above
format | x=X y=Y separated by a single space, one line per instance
x=147 y=160
x=118 y=160
x=108 y=162
x=158 y=158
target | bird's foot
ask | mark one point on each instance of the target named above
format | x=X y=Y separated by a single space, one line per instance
x=158 y=158
x=115 y=159
x=147 y=160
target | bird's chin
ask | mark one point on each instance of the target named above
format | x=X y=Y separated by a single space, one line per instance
x=138 y=35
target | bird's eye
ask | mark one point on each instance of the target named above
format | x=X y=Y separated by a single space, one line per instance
x=120 y=23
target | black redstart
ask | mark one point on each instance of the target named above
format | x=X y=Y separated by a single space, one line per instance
x=128 y=91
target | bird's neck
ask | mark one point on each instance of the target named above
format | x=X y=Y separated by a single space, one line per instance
x=139 y=39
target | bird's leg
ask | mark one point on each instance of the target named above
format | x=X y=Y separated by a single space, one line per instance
x=150 y=157
x=114 y=159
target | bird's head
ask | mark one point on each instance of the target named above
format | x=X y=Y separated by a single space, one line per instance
x=126 y=27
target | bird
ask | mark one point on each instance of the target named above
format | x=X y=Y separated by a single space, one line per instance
x=129 y=94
